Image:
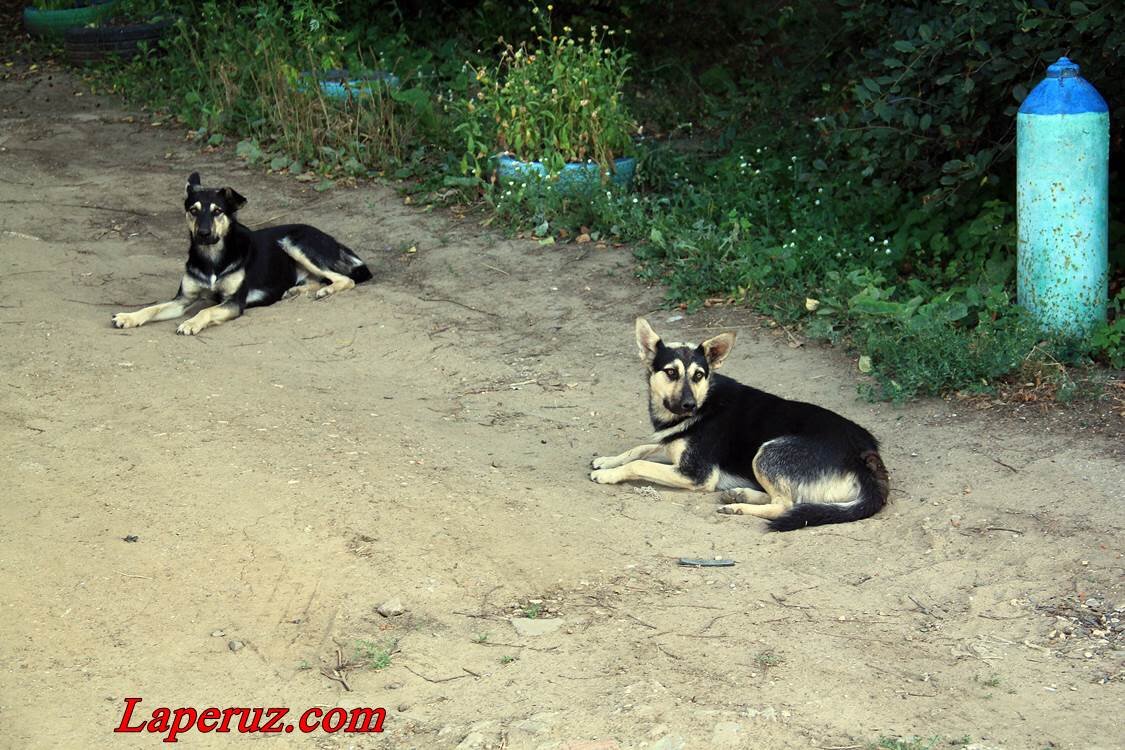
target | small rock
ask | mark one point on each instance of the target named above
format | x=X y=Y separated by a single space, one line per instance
x=531 y=726
x=727 y=734
x=392 y=686
x=391 y=608
x=218 y=633
x=403 y=707
x=528 y=627
x=766 y=713
x=671 y=742
x=236 y=645
x=472 y=741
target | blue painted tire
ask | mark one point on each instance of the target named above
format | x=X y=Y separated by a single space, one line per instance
x=53 y=24
x=342 y=85
x=575 y=177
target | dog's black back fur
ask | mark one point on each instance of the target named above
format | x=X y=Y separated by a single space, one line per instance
x=736 y=419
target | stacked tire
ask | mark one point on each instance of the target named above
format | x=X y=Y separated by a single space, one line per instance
x=97 y=43
x=51 y=24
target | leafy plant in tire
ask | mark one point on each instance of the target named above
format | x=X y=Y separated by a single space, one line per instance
x=556 y=99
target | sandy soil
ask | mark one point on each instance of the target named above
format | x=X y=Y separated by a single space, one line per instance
x=426 y=437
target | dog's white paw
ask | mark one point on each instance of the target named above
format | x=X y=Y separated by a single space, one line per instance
x=190 y=327
x=604 y=476
x=324 y=291
x=126 y=320
x=732 y=509
x=602 y=462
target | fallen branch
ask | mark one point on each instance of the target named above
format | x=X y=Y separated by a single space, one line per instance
x=441 y=679
x=459 y=304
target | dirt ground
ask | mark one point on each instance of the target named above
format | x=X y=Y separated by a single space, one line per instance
x=426 y=438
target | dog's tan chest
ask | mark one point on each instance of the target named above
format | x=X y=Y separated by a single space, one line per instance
x=675 y=450
x=227 y=284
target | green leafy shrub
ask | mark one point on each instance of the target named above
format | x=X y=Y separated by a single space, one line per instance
x=250 y=70
x=1108 y=340
x=554 y=100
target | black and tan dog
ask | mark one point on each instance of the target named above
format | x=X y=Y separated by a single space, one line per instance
x=238 y=267
x=793 y=463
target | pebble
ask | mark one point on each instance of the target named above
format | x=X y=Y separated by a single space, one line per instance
x=392 y=686
x=671 y=742
x=236 y=645
x=391 y=608
x=472 y=741
x=403 y=707
x=531 y=726
x=727 y=734
x=218 y=633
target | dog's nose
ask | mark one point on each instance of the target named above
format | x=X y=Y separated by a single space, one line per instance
x=688 y=406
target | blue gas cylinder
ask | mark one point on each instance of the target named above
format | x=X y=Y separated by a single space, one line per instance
x=1062 y=202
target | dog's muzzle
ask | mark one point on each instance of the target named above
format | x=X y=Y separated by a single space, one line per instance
x=680 y=410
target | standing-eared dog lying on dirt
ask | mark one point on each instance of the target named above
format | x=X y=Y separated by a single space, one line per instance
x=239 y=267
x=793 y=463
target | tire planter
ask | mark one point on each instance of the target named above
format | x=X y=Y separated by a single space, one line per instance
x=52 y=24
x=342 y=85
x=576 y=178
x=95 y=43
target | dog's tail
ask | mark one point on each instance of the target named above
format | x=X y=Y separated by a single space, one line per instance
x=874 y=488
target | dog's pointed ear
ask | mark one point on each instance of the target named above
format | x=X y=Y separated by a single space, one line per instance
x=233 y=199
x=648 y=341
x=716 y=349
x=193 y=183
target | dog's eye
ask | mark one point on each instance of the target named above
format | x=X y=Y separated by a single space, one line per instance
x=216 y=211
x=697 y=376
x=672 y=373
x=194 y=211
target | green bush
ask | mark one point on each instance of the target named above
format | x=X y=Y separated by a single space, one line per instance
x=554 y=100
x=251 y=70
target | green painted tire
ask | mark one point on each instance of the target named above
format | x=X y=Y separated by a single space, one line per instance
x=53 y=23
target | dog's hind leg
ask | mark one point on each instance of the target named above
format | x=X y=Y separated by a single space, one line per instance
x=768 y=511
x=338 y=282
x=308 y=288
x=612 y=462
x=744 y=495
x=185 y=298
x=210 y=316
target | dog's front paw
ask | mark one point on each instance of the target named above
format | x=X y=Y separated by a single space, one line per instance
x=732 y=509
x=604 y=476
x=190 y=327
x=126 y=320
x=603 y=462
